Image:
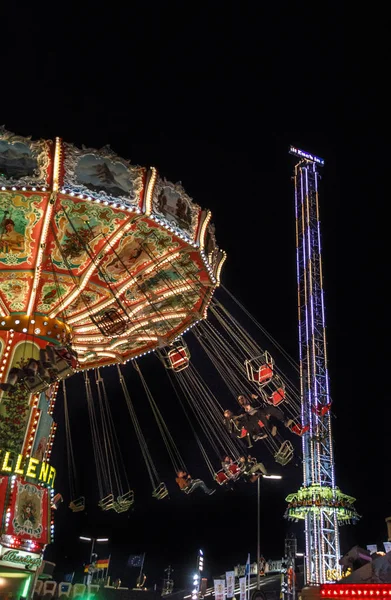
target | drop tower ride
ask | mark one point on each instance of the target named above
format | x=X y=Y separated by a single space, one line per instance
x=321 y=505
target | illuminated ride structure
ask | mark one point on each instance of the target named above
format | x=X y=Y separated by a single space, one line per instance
x=321 y=504
x=101 y=261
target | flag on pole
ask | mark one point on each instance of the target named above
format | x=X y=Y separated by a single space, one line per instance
x=135 y=560
x=219 y=585
x=102 y=563
x=230 y=579
x=242 y=588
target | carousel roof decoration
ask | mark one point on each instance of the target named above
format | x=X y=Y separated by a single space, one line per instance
x=99 y=252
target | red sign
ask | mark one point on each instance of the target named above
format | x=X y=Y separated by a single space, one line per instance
x=30 y=512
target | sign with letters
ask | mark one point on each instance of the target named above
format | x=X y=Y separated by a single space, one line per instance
x=19 y=559
x=28 y=467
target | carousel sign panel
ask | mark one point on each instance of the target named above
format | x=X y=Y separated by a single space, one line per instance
x=29 y=512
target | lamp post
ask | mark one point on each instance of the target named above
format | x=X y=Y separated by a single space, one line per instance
x=259 y=523
x=93 y=541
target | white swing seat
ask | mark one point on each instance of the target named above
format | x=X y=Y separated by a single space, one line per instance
x=285 y=453
x=127 y=499
x=106 y=503
x=160 y=492
x=260 y=369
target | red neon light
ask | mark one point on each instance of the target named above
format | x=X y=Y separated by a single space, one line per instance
x=356 y=589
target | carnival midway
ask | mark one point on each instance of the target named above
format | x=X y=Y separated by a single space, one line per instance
x=101 y=263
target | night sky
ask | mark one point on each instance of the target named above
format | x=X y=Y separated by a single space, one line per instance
x=213 y=94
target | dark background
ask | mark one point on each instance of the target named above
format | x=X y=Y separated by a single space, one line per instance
x=213 y=94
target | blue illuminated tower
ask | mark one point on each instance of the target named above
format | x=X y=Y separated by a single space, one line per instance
x=319 y=502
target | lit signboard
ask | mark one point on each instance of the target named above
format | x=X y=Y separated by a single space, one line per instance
x=19 y=559
x=306 y=155
x=27 y=467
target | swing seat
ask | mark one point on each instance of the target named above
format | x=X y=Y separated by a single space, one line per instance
x=264 y=374
x=126 y=500
x=78 y=505
x=36 y=386
x=119 y=508
x=178 y=358
x=56 y=501
x=106 y=503
x=300 y=429
x=277 y=396
x=284 y=454
x=321 y=409
x=160 y=492
x=235 y=471
x=260 y=369
x=64 y=369
x=221 y=477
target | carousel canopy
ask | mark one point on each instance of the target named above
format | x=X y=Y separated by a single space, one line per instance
x=98 y=252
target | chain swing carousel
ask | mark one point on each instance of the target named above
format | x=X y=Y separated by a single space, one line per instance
x=88 y=242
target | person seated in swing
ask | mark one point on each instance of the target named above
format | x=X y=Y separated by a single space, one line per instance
x=188 y=485
x=251 y=469
x=268 y=416
x=234 y=427
x=254 y=423
x=275 y=412
x=229 y=467
x=243 y=400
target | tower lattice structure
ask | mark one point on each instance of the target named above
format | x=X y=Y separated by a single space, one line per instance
x=321 y=505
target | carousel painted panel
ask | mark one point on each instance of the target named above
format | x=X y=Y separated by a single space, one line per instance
x=20 y=228
x=175 y=209
x=51 y=291
x=15 y=287
x=24 y=163
x=182 y=302
x=81 y=229
x=137 y=250
x=86 y=301
x=103 y=175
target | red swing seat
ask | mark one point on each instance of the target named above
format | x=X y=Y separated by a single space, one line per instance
x=234 y=470
x=277 y=396
x=264 y=374
x=321 y=409
x=299 y=429
x=260 y=369
x=221 y=477
x=178 y=358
